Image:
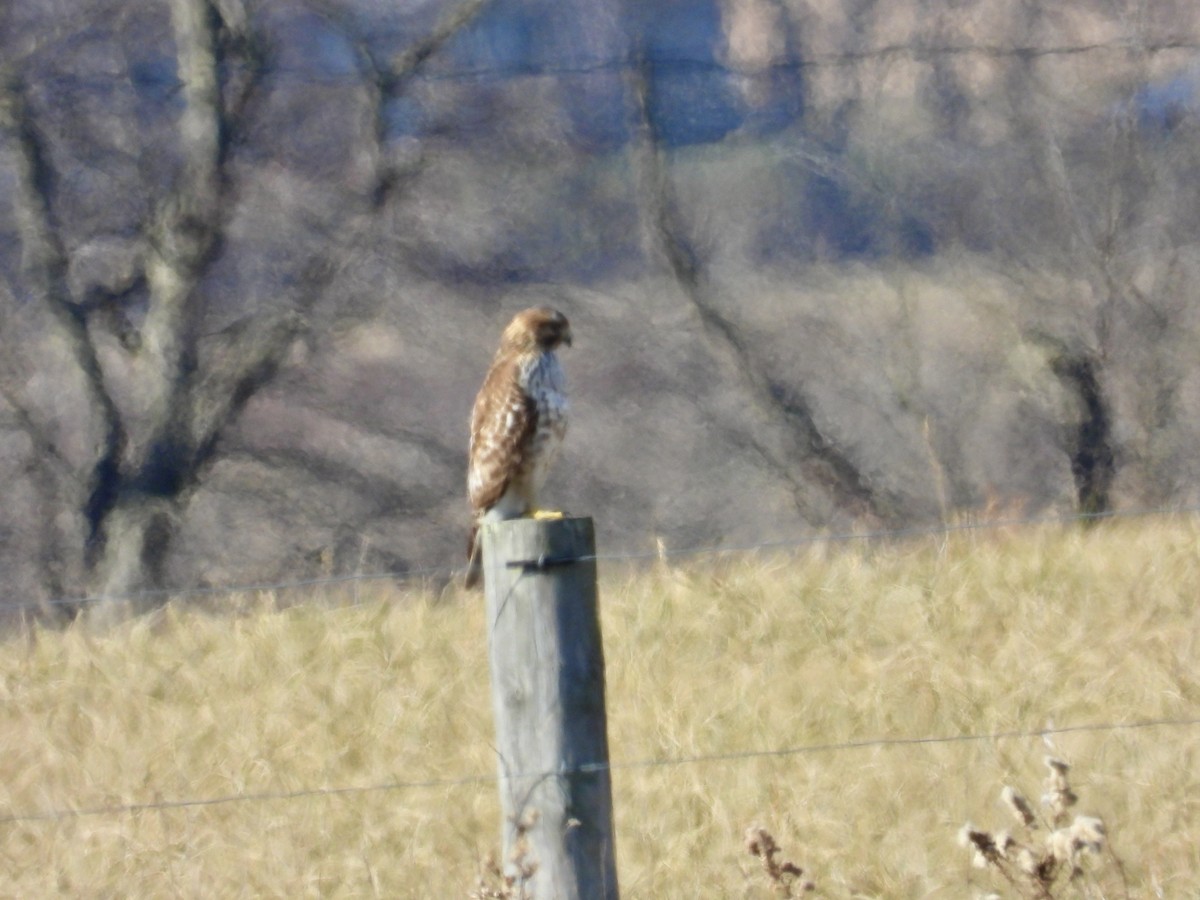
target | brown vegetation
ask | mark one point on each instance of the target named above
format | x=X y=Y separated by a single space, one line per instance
x=784 y=875
x=1052 y=863
x=853 y=699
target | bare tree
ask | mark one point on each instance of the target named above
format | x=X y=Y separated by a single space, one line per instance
x=190 y=385
x=250 y=254
x=1108 y=186
x=162 y=386
x=817 y=472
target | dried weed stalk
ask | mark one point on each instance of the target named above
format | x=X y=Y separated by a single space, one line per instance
x=511 y=881
x=786 y=877
x=1046 y=859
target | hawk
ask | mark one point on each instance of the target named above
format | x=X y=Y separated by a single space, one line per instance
x=517 y=424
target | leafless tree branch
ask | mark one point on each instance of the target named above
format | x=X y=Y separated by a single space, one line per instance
x=821 y=460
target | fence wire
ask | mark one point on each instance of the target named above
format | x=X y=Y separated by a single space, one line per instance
x=446 y=573
x=61 y=814
x=410 y=575
x=58 y=815
x=394 y=73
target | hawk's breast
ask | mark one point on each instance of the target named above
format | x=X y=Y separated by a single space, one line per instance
x=546 y=385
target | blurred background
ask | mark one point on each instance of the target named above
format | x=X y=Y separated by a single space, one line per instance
x=829 y=265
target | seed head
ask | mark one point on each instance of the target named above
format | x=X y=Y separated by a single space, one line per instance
x=1089 y=833
x=1019 y=807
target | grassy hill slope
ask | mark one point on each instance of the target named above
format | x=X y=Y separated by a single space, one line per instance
x=849 y=648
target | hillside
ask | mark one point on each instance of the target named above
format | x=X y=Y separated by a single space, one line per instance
x=828 y=265
x=860 y=701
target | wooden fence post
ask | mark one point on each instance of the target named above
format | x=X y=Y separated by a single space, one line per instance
x=547 y=666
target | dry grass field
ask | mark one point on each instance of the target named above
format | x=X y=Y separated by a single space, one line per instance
x=844 y=648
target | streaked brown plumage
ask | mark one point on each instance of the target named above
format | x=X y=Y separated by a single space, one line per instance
x=517 y=424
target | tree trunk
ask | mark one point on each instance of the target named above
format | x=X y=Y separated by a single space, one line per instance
x=130 y=573
x=1093 y=462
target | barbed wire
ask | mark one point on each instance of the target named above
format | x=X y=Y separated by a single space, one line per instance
x=398 y=576
x=884 y=743
x=892 y=534
x=445 y=573
x=919 y=52
x=65 y=813
x=632 y=61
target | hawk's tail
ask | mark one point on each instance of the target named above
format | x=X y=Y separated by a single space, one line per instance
x=474 y=559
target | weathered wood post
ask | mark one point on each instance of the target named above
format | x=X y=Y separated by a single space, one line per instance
x=548 y=697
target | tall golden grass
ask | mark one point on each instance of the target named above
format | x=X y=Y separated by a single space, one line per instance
x=969 y=634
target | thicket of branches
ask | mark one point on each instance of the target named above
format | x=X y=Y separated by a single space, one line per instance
x=830 y=264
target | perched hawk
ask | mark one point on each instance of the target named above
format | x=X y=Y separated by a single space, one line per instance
x=517 y=424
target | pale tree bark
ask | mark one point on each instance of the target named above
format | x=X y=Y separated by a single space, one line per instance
x=152 y=456
x=162 y=409
x=191 y=393
x=49 y=471
x=44 y=269
x=388 y=79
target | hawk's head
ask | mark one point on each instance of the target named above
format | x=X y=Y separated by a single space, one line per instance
x=539 y=328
